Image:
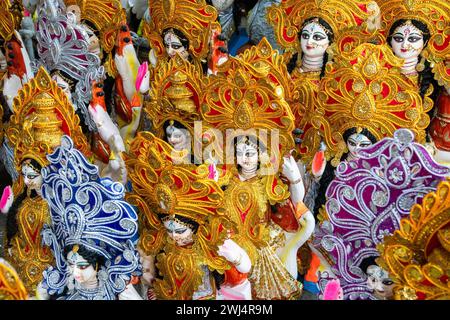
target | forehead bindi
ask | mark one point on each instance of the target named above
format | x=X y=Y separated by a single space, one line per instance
x=172 y=38
x=314 y=27
x=408 y=30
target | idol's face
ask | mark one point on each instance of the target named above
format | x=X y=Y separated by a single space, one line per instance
x=407 y=41
x=356 y=142
x=180 y=233
x=94 y=44
x=314 y=40
x=178 y=138
x=173 y=46
x=379 y=282
x=80 y=268
x=247 y=156
x=31 y=177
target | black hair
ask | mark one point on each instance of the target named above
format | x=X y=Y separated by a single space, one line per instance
x=364 y=132
x=91 y=257
x=183 y=219
x=426 y=77
x=293 y=62
x=11 y=219
x=66 y=77
x=219 y=279
x=329 y=172
x=183 y=39
x=173 y=123
x=367 y=262
x=108 y=85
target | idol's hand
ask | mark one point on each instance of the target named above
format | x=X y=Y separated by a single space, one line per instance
x=290 y=170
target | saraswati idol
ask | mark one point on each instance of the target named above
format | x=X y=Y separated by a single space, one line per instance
x=417 y=255
x=246 y=105
x=43 y=114
x=369 y=199
x=184 y=227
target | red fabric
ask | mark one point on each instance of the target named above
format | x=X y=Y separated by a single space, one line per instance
x=233 y=277
x=439 y=127
x=285 y=217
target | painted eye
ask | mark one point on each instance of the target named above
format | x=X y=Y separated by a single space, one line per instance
x=318 y=37
x=414 y=39
x=388 y=282
x=305 y=36
x=180 y=231
x=83 y=267
x=351 y=143
x=398 y=39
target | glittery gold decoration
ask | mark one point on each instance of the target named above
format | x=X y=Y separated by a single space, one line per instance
x=307 y=85
x=162 y=188
x=250 y=93
x=175 y=93
x=42 y=114
x=342 y=15
x=417 y=256
x=28 y=256
x=7 y=21
x=364 y=88
x=11 y=287
x=194 y=18
x=435 y=14
x=105 y=15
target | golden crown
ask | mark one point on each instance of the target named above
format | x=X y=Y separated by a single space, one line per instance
x=7 y=21
x=11 y=287
x=250 y=93
x=365 y=88
x=342 y=15
x=175 y=95
x=42 y=114
x=162 y=188
x=417 y=255
x=435 y=14
x=172 y=189
x=194 y=18
x=105 y=15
